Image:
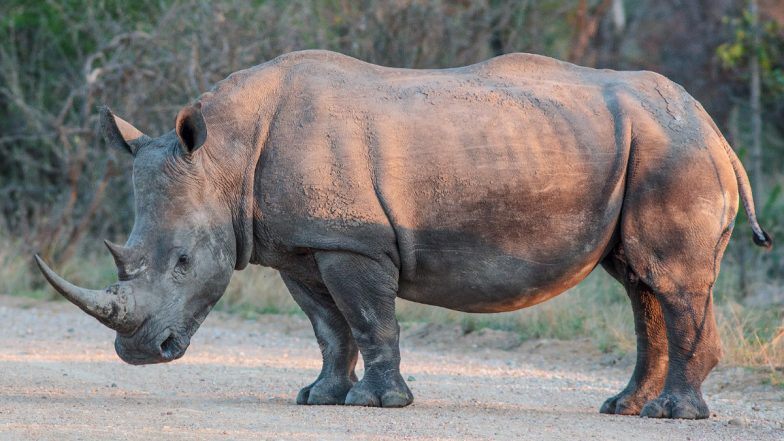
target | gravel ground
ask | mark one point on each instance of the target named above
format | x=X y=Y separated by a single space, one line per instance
x=60 y=379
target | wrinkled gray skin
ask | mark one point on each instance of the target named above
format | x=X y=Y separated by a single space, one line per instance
x=487 y=188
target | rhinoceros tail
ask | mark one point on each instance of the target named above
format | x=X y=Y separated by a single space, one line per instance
x=761 y=238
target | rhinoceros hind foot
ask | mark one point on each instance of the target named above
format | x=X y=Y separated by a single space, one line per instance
x=325 y=392
x=688 y=406
x=394 y=393
x=625 y=403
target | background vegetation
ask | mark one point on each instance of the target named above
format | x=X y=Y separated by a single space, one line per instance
x=61 y=190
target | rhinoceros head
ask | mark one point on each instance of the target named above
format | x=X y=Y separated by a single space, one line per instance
x=181 y=252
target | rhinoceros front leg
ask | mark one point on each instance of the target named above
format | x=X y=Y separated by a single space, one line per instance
x=338 y=349
x=365 y=291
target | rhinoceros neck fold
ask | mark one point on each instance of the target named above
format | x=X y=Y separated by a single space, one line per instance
x=241 y=199
x=242 y=223
x=240 y=110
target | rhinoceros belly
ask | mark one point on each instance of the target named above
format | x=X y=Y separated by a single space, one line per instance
x=456 y=271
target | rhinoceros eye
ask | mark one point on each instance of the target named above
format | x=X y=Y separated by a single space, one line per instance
x=181 y=268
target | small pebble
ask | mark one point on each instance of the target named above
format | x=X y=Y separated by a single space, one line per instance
x=740 y=422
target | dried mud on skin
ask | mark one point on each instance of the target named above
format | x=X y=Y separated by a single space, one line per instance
x=60 y=379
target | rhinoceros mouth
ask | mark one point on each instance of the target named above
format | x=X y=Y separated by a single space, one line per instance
x=167 y=346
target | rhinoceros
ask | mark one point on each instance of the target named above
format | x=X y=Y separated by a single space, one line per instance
x=486 y=188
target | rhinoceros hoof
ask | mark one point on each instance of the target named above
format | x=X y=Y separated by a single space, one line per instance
x=689 y=406
x=390 y=393
x=325 y=391
x=626 y=403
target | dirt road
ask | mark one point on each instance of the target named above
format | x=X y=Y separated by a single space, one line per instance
x=60 y=379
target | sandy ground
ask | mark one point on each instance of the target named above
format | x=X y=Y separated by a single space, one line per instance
x=60 y=379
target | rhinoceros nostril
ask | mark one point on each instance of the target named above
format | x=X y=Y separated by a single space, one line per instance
x=169 y=346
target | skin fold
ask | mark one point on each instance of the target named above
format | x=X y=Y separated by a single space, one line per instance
x=486 y=188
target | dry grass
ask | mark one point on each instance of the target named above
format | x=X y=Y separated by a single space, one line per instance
x=257 y=290
x=15 y=275
x=752 y=337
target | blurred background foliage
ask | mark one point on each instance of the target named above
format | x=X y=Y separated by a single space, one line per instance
x=62 y=190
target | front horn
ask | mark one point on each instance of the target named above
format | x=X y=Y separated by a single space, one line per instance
x=113 y=306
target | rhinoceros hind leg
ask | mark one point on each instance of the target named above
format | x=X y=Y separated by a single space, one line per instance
x=338 y=349
x=694 y=349
x=365 y=291
x=686 y=405
x=650 y=370
x=677 y=218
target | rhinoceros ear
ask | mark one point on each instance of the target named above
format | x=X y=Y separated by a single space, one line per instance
x=120 y=133
x=191 y=128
